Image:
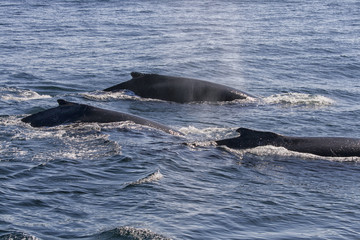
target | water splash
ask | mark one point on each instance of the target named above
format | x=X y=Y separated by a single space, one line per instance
x=19 y=95
x=298 y=99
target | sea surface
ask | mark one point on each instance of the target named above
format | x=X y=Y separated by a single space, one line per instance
x=301 y=59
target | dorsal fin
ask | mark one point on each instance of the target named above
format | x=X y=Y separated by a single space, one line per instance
x=137 y=74
x=62 y=102
x=245 y=132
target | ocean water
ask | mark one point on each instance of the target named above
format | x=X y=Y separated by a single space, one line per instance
x=123 y=181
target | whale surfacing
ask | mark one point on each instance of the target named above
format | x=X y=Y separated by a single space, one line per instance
x=321 y=146
x=70 y=112
x=178 y=89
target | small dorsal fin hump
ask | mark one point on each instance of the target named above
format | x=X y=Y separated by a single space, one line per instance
x=245 y=132
x=62 y=102
x=137 y=74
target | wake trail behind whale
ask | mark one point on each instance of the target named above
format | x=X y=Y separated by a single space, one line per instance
x=298 y=99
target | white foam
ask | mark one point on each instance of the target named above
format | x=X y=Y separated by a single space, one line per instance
x=283 y=152
x=75 y=141
x=19 y=95
x=10 y=121
x=298 y=99
x=203 y=138
x=60 y=130
x=81 y=147
x=6 y=149
x=108 y=96
x=244 y=102
x=208 y=133
x=197 y=144
x=129 y=95
x=119 y=95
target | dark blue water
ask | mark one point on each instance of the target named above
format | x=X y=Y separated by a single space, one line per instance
x=124 y=181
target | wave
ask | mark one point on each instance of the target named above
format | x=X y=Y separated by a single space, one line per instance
x=130 y=233
x=19 y=95
x=156 y=176
x=298 y=99
x=24 y=75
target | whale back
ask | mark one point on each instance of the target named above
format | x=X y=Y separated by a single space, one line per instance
x=251 y=138
x=177 y=89
x=66 y=112
x=69 y=112
x=322 y=146
x=94 y=114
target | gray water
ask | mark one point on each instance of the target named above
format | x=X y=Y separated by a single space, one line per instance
x=125 y=181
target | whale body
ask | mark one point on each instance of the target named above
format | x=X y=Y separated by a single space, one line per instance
x=322 y=146
x=178 y=89
x=70 y=112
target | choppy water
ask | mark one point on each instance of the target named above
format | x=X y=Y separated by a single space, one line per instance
x=123 y=181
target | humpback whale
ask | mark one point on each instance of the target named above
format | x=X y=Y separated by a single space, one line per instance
x=178 y=89
x=322 y=146
x=70 y=112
